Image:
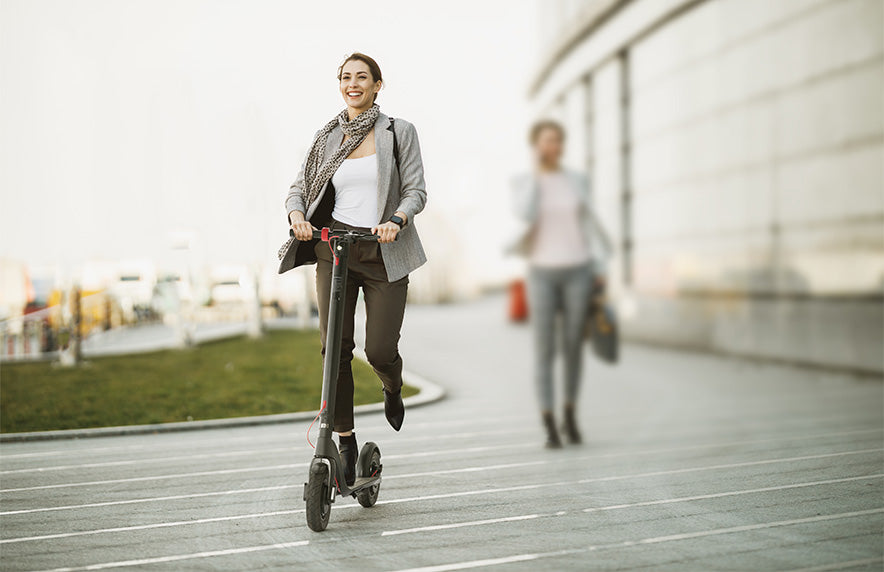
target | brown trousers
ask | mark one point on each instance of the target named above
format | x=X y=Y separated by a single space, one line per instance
x=384 y=311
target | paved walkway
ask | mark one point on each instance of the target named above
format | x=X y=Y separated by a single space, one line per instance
x=693 y=462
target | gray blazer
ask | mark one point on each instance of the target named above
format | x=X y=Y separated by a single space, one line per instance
x=400 y=189
x=525 y=193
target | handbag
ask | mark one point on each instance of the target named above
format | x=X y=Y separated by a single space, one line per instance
x=602 y=328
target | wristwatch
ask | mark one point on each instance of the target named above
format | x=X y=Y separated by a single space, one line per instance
x=398 y=220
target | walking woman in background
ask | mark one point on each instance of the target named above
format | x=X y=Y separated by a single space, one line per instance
x=363 y=172
x=559 y=237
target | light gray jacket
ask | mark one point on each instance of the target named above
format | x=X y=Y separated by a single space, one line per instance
x=401 y=189
x=525 y=195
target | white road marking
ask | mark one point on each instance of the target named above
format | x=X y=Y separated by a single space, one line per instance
x=638 y=504
x=294 y=429
x=747 y=527
x=180 y=557
x=293 y=437
x=156 y=525
x=476 y=492
x=479 y=563
x=151 y=460
x=151 y=499
x=733 y=493
x=653 y=540
x=839 y=565
x=735 y=465
x=228 y=471
x=473 y=449
x=460 y=524
x=71 y=451
x=289 y=450
x=431 y=497
x=428 y=473
x=481 y=468
x=160 y=477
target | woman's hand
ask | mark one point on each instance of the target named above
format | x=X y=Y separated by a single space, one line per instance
x=303 y=230
x=386 y=232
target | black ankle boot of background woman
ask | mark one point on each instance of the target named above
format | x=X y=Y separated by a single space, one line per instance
x=552 y=435
x=569 y=427
x=349 y=455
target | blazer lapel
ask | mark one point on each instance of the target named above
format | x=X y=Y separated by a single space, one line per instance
x=383 y=145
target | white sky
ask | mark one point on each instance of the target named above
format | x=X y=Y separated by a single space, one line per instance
x=124 y=120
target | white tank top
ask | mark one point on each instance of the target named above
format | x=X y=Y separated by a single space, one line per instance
x=559 y=240
x=356 y=192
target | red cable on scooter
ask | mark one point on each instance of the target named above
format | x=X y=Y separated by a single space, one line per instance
x=321 y=409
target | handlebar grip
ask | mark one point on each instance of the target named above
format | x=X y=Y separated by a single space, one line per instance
x=373 y=237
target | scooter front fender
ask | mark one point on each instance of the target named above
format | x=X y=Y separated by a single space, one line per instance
x=315 y=469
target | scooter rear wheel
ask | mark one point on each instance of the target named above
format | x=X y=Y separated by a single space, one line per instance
x=368 y=466
x=317 y=497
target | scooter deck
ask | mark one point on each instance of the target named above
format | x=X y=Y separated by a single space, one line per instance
x=359 y=484
x=363 y=481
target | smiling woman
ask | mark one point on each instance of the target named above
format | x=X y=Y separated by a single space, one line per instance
x=358 y=82
x=364 y=172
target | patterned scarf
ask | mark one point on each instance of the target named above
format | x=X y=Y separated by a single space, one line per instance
x=318 y=170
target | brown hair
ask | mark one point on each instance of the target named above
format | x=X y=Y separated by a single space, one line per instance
x=542 y=124
x=373 y=66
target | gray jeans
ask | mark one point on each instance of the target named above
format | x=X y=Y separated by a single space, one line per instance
x=553 y=293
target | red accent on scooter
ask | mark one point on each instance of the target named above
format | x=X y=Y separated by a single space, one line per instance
x=325 y=234
x=321 y=409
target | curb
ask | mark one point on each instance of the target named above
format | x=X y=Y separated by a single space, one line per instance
x=429 y=393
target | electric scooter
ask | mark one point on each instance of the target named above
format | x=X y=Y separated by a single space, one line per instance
x=326 y=475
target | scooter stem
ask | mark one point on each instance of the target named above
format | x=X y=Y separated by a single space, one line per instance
x=341 y=249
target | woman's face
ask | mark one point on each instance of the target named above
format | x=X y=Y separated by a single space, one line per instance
x=357 y=85
x=549 y=146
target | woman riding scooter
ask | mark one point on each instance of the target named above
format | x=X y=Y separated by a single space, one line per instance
x=363 y=172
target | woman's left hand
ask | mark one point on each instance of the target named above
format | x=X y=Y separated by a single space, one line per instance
x=386 y=232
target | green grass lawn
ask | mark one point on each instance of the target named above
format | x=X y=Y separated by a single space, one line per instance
x=279 y=373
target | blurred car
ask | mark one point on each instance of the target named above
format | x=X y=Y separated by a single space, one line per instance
x=229 y=285
x=133 y=287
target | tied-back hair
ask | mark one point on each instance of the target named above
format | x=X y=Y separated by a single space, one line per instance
x=542 y=124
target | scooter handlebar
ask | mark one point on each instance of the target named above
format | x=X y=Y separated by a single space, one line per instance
x=356 y=235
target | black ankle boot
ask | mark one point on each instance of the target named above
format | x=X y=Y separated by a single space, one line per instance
x=552 y=435
x=569 y=427
x=394 y=409
x=349 y=455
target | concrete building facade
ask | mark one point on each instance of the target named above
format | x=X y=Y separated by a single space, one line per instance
x=736 y=149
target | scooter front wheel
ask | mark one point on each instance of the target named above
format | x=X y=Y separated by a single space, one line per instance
x=317 y=496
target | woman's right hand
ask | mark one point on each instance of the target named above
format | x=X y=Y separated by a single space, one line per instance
x=303 y=230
